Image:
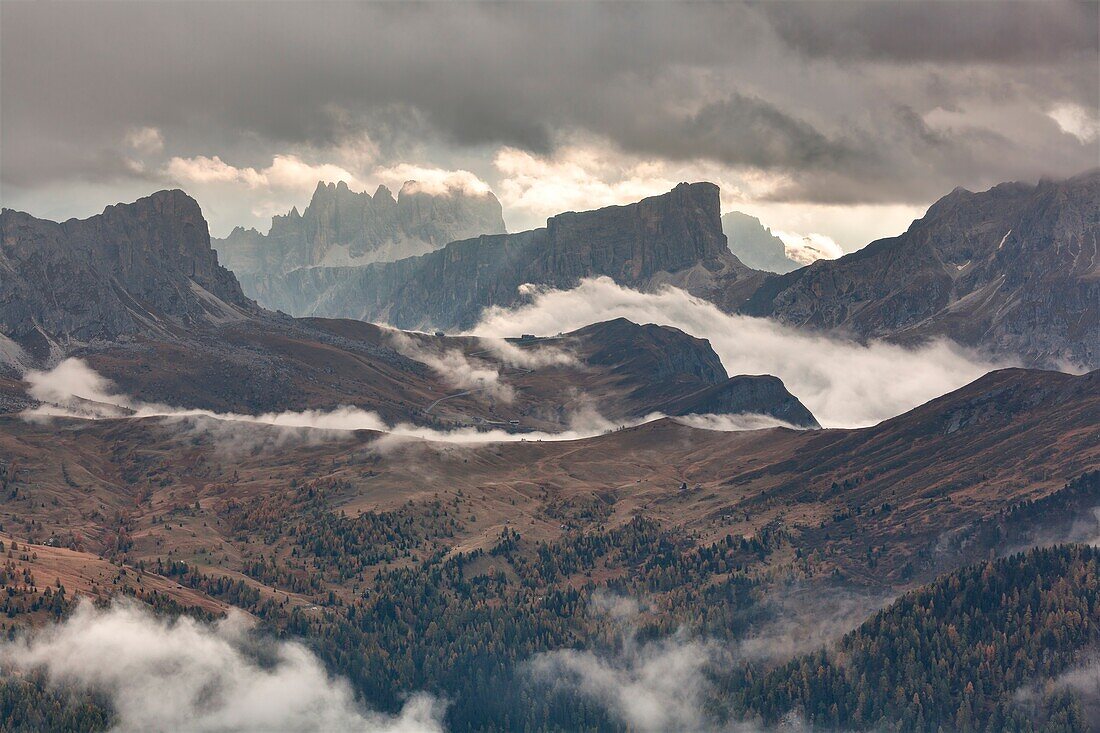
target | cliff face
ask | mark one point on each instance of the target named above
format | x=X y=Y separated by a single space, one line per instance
x=676 y=237
x=145 y=267
x=341 y=227
x=1013 y=269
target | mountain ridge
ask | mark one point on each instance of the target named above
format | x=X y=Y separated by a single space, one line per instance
x=343 y=227
x=138 y=293
x=1013 y=269
x=673 y=238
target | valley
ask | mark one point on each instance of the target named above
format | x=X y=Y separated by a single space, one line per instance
x=464 y=516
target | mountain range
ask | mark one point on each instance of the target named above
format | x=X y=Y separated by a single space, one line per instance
x=138 y=294
x=675 y=238
x=1011 y=271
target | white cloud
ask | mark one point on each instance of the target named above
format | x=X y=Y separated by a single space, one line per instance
x=473 y=375
x=843 y=383
x=1082 y=681
x=71 y=378
x=146 y=140
x=291 y=172
x=73 y=389
x=734 y=423
x=663 y=685
x=165 y=675
x=574 y=179
x=201 y=169
x=1073 y=119
x=286 y=173
x=538 y=357
x=655 y=686
x=808 y=248
x=434 y=181
x=802 y=618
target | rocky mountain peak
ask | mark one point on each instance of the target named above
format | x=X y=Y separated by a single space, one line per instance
x=667 y=233
x=675 y=238
x=136 y=269
x=383 y=195
x=345 y=227
x=173 y=203
x=658 y=351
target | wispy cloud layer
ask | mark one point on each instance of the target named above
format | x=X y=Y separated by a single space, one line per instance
x=73 y=389
x=469 y=374
x=843 y=383
x=663 y=685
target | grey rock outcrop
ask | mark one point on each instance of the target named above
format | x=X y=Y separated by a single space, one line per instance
x=745 y=394
x=674 y=373
x=659 y=354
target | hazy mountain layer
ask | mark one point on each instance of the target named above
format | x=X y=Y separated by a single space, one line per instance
x=755 y=245
x=342 y=227
x=1013 y=270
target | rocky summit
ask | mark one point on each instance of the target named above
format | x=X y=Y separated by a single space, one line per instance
x=140 y=268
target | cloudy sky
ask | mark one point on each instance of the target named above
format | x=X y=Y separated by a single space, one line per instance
x=845 y=120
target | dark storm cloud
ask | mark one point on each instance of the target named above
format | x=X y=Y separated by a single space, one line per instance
x=977 y=31
x=477 y=74
x=741 y=130
x=834 y=95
